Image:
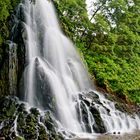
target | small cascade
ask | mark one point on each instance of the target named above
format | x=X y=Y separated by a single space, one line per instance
x=1 y=125
x=103 y=116
x=117 y=121
x=14 y=128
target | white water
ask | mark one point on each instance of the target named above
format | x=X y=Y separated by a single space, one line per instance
x=114 y=120
x=51 y=54
x=55 y=56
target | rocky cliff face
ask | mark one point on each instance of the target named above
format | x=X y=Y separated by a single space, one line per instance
x=4 y=74
x=12 y=56
x=19 y=122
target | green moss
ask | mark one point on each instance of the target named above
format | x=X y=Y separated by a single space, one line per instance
x=42 y=133
x=7 y=7
x=6 y=10
x=19 y=138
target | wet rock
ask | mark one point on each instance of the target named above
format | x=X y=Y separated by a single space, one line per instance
x=42 y=133
x=19 y=138
x=30 y=125
x=8 y=107
x=114 y=132
x=35 y=112
x=87 y=105
x=48 y=121
x=4 y=73
x=119 y=132
x=17 y=65
x=99 y=126
x=52 y=127
x=22 y=109
x=45 y=96
x=2 y=138
x=6 y=130
x=122 y=107
x=20 y=12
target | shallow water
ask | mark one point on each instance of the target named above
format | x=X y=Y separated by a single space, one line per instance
x=128 y=136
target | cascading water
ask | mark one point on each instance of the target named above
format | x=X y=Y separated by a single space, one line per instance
x=53 y=55
x=55 y=75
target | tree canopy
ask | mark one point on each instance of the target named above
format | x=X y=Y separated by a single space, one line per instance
x=109 y=41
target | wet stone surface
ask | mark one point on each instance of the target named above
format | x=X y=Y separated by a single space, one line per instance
x=17 y=122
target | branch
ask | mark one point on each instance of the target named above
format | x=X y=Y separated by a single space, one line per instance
x=96 y=12
x=92 y=17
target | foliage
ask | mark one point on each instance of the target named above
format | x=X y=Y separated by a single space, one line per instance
x=6 y=9
x=110 y=43
x=29 y=125
x=73 y=17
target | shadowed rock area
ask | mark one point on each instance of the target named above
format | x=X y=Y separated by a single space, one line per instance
x=19 y=122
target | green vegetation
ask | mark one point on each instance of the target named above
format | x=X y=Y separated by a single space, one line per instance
x=110 y=44
x=6 y=9
x=30 y=124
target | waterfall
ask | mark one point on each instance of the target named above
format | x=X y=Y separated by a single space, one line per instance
x=56 y=79
x=52 y=56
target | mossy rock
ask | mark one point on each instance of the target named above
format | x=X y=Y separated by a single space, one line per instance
x=89 y=101
x=8 y=107
x=31 y=124
x=99 y=126
x=19 y=138
x=42 y=133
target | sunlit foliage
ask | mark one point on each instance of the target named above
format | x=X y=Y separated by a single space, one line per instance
x=110 y=44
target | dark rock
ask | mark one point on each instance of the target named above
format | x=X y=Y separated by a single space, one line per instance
x=8 y=107
x=119 y=132
x=19 y=138
x=99 y=126
x=49 y=122
x=2 y=138
x=35 y=111
x=42 y=133
x=114 y=132
x=20 y=12
x=121 y=107
x=87 y=103
x=28 y=125
x=21 y=107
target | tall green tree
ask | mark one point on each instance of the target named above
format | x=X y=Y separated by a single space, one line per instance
x=109 y=41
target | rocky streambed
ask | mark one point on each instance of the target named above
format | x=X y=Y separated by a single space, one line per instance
x=127 y=136
x=19 y=121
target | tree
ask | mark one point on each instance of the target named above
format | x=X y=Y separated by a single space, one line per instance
x=110 y=43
